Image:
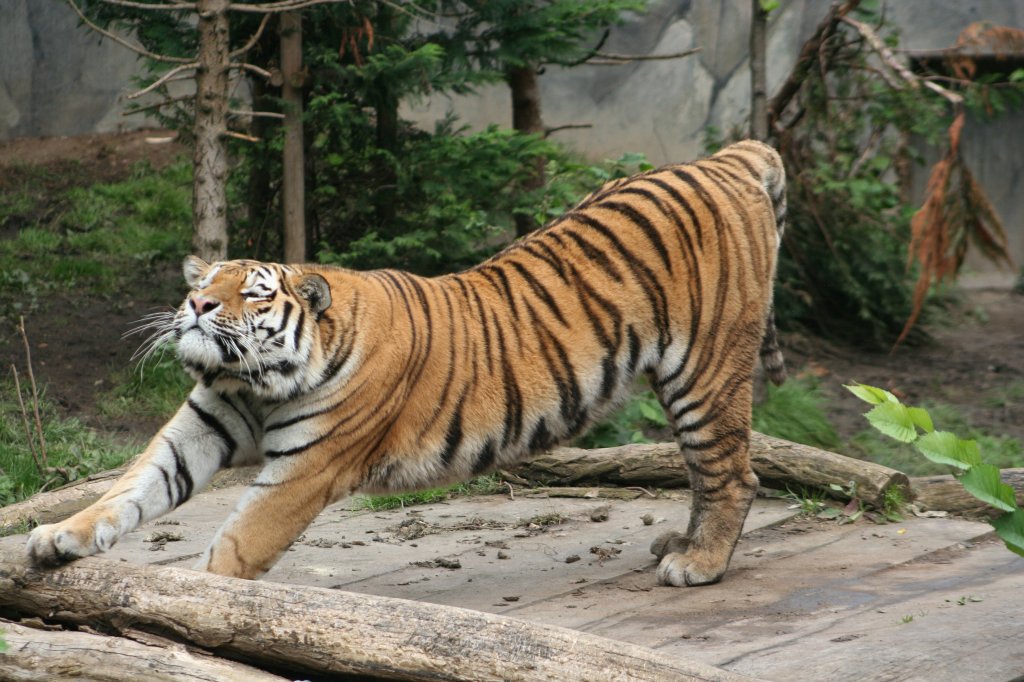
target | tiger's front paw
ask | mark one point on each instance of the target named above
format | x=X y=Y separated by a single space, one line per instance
x=58 y=543
x=686 y=569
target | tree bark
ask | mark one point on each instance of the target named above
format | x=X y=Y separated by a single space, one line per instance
x=526 y=118
x=758 y=72
x=294 y=172
x=318 y=631
x=45 y=655
x=777 y=463
x=210 y=160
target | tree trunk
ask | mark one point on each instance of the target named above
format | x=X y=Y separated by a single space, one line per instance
x=294 y=172
x=316 y=631
x=777 y=463
x=47 y=655
x=526 y=118
x=758 y=72
x=210 y=160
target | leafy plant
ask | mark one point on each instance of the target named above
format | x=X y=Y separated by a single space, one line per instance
x=914 y=425
x=795 y=411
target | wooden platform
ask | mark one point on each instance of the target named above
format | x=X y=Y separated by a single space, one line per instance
x=927 y=599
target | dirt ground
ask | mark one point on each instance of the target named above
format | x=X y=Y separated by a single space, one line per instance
x=975 y=363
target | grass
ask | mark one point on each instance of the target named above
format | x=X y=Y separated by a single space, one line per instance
x=796 y=411
x=95 y=236
x=155 y=388
x=73 y=450
x=482 y=485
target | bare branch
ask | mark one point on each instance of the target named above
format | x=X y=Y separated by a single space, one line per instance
x=121 y=41
x=283 y=6
x=174 y=6
x=245 y=66
x=163 y=79
x=890 y=60
x=158 y=105
x=567 y=126
x=253 y=39
x=241 y=136
x=613 y=59
x=265 y=114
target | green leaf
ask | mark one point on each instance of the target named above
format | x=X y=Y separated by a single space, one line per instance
x=983 y=482
x=943 y=447
x=893 y=419
x=870 y=394
x=921 y=418
x=1010 y=529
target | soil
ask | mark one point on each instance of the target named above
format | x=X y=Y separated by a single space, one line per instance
x=974 y=363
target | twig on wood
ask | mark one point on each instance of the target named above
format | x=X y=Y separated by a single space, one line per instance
x=35 y=393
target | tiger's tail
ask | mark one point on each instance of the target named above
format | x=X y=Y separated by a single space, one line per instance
x=773 y=175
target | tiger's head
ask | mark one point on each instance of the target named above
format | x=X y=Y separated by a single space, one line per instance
x=247 y=324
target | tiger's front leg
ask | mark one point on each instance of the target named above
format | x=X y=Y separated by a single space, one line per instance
x=209 y=432
x=288 y=494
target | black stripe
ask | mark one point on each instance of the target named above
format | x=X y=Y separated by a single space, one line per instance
x=641 y=221
x=219 y=429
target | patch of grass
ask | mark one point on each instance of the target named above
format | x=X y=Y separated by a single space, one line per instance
x=73 y=450
x=155 y=388
x=1001 y=451
x=796 y=411
x=481 y=485
x=97 y=237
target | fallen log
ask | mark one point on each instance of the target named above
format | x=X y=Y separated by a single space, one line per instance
x=945 y=493
x=45 y=655
x=316 y=631
x=778 y=463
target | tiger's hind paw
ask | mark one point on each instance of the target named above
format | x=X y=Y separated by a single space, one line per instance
x=668 y=542
x=682 y=569
x=56 y=544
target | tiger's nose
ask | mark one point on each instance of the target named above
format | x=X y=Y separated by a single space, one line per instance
x=203 y=304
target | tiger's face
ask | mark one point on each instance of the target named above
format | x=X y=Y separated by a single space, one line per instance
x=249 y=324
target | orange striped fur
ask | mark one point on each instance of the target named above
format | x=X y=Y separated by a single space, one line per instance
x=341 y=381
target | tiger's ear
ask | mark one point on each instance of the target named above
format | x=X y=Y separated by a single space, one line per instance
x=195 y=269
x=317 y=292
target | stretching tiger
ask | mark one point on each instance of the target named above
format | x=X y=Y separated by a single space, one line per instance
x=340 y=381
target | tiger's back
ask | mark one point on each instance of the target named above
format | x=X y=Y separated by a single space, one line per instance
x=341 y=381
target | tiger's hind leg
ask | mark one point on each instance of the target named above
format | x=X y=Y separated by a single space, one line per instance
x=711 y=420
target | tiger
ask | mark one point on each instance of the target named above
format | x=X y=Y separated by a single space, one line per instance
x=339 y=381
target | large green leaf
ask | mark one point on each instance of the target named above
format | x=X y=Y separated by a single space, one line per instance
x=894 y=420
x=983 y=482
x=1010 y=528
x=946 y=448
x=870 y=394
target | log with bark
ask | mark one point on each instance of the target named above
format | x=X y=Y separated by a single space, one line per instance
x=43 y=655
x=316 y=631
x=778 y=463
